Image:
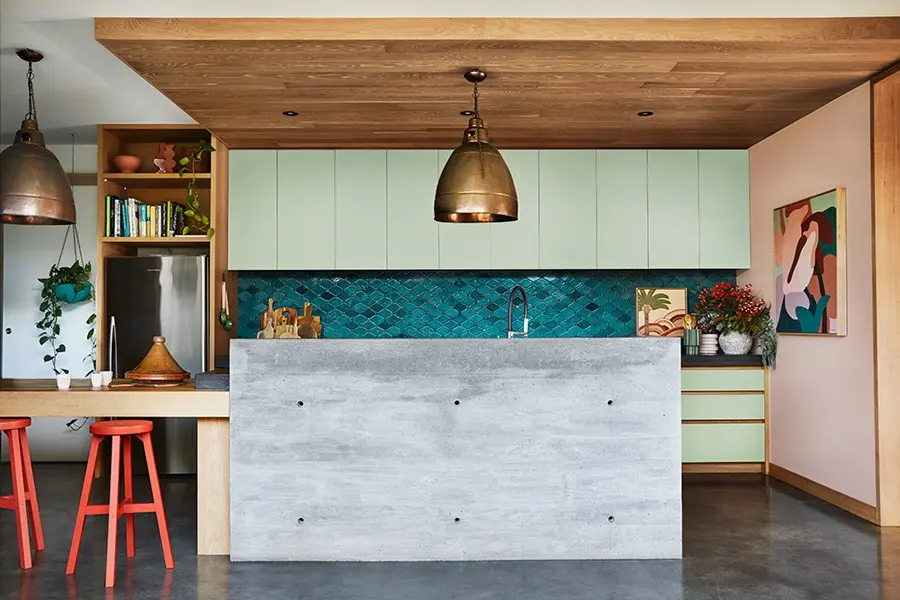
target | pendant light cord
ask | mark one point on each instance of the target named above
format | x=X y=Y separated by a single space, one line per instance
x=477 y=136
x=32 y=109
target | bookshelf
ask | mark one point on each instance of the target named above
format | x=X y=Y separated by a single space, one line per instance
x=153 y=189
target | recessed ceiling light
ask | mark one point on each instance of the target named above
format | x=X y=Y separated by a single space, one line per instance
x=645 y=113
x=467 y=113
x=290 y=113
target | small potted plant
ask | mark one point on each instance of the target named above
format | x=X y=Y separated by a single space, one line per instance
x=739 y=316
x=63 y=285
x=187 y=165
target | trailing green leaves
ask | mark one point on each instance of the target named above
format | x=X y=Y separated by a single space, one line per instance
x=187 y=165
x=51 y=307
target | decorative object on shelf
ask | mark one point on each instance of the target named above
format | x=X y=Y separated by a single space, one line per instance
x=739 y=315
x=63 y=285
x=660 y=311
x=126 y=163
x=735 y=342
x=158 y=367
x=475 y=185
x=34 y=187
x=107 y=378
x=811 y=265
x=709 y=344
x=691 y=341
x=96 y=380
x=165 y=158
x=224 y=315
x=63 y=381
x=690 y=321
x=188 y=165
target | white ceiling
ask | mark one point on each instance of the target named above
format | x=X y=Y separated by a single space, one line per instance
x=79 y=84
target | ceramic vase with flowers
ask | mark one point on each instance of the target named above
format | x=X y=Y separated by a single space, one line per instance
x=739 y=316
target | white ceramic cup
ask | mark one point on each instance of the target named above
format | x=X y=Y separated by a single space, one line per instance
x=96 y=380
x=107 y=378
x=63 y=381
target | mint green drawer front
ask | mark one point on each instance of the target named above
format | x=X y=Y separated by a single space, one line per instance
x=723 y=442
x=697 y=407
x=723 y=380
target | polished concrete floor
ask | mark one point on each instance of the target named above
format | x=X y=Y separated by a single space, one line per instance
x=743 y=539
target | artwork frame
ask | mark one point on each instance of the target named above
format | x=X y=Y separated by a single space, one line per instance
x=810 y=265
x=661 y=309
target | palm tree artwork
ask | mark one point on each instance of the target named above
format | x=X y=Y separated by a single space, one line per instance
x=673 y=301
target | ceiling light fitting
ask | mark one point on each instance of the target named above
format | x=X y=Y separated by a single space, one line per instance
x=645 y=113
x=475 y=185
x=290 y=113
x=34 y=188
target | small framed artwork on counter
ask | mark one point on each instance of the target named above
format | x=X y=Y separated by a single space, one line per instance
x=659 y=312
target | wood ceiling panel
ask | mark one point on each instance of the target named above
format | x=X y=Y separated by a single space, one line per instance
x=567 y=83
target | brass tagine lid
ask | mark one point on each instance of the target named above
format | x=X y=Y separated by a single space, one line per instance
x=158 y=366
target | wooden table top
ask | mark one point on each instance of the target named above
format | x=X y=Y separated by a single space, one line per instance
x=41 y=398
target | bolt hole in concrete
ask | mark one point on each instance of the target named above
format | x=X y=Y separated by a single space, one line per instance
x=456 y=520
x=300 y=520
x=456 y=402
x=300 y=403
x=609 y=402
x=610 y=519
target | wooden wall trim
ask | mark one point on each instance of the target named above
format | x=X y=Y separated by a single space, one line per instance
x=498 y=29
x=752 y=468
x=886 y=262
x=851 y=505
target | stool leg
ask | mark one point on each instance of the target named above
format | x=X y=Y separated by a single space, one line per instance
x=15 y=463
x=157 y=502
x=115 y=455
x=82 y=505
x=129 y=496
x=36 y=528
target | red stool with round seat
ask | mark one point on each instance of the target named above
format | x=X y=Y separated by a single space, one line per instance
x=24 y=495
x=120 y=432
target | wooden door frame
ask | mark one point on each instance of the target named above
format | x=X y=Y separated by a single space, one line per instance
x=886 y=279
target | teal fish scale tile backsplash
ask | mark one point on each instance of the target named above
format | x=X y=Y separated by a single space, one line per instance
x=461 y=304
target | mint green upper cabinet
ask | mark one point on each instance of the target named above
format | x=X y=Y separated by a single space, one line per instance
x=515 y=245
x=306 y=209
x=360 y=209
x=622 y=209
x=412 y=233
x=724 y=209
x=462 y=245
x=568 y=219
x=252 y=209
x=673 y=210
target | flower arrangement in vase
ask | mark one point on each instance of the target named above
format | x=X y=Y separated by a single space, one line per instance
x=739 y=316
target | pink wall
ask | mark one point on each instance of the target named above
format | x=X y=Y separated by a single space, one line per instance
x=822 y=419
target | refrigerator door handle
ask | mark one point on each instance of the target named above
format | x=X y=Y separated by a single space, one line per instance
x=113 y=355
x=204 y=302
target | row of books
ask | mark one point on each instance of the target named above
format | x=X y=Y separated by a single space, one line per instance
x=129 y=217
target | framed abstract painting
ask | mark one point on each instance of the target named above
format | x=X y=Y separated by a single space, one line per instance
x=659 y=312
x=811 y=265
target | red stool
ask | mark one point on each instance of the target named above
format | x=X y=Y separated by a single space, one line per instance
x=24 y=495
x=120 y=432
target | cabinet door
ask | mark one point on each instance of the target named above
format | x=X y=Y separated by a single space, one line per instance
x=568 y=220
x=360 y=209
x=252 y=203
x=305 y=209
x=724 y=209
x=412 y=233
x=622 y=209
x=515 y=245
x=672 y=198
x=463 y=245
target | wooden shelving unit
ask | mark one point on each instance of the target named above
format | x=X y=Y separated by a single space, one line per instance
x=151 y=187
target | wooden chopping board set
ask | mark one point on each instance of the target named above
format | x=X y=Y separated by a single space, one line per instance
x=287 y=323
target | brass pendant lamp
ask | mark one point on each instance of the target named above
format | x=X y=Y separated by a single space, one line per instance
x=34 y=188
x=475 y=185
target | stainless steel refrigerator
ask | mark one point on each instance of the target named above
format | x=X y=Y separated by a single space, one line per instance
x=168 y=296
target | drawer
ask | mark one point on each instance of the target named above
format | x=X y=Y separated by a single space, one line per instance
x=723 y=442
x=723 y=380
x=696 y=407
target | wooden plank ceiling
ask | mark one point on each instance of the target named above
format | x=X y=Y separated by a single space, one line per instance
x=552 y=83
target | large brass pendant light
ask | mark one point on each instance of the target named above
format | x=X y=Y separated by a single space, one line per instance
x=34 y=188
x=475 y=185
